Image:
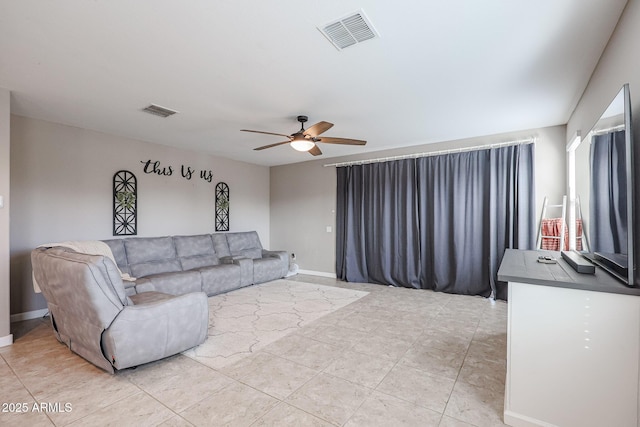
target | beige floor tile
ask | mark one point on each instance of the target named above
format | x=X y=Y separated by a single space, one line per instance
x=139 y=410
x=360 y=368
x=384 y=346
x=234 y=405
x=178 y=382
x=305 y=351
x=24 y=419
x=359 y=322
x=452 y=422
x=478 y=406
x=418 y=387
x=88 y=396
x=250 y=363
x=31 y=329
x=285 y=415
x=339 y=337
x=176 y=421
x=381 y=410
x=378 y=329
x=402 y=326
x=330 y=398
x=484 y=373
x=478 y=350
x=276 y=376
x=433 y=360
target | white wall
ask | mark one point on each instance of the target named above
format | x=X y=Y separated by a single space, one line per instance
x=5 y=336
x=303 y=195
x=618 y=64
x=61 y=184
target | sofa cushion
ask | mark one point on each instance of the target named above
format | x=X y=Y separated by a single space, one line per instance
x=119 y=254
x=266 y=269
x=151 y=255
x=245 y=244
x=157 y=267
x=195 y=262
x=220 y=278
x=195 y=251
x=176 y=283
x=149 y=249
x=220 y=244
x=187 y=246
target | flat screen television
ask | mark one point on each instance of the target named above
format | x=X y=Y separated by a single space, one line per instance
x=604 y=191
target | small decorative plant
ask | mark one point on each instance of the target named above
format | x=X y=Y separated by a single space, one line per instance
x=222 y=202
x=126 y=199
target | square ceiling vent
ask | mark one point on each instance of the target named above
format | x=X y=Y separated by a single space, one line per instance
x=349 y=30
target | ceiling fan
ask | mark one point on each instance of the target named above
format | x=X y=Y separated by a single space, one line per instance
x=306 y=140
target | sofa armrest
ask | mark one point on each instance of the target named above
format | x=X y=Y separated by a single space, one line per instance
x=144 y=285
x=150 y=331
x=283 y=255
x=246 y=267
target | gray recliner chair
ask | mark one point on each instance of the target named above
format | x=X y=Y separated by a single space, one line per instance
x=91 y=314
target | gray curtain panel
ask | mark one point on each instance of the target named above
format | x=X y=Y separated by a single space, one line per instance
x=440 y=222
x=608 y=201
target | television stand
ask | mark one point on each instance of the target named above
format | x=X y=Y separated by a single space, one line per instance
x=573 y=345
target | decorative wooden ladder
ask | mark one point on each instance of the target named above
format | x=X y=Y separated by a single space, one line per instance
x=563 y=227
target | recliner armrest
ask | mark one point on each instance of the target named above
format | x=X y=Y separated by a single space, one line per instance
x=246 y=267
x=150 y=331
x=283 y=255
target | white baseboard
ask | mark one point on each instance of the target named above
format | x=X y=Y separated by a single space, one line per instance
x=5 y=341
x=519 y=420
x=28 y=315
x=317 y=273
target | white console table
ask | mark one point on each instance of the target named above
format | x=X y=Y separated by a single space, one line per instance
x=573 y=346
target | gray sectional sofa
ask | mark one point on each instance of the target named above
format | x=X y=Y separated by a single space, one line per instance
x=211 y=263
x=117 y=324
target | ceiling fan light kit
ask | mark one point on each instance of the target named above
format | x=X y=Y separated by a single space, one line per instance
x=306 y=140
x=301 y=143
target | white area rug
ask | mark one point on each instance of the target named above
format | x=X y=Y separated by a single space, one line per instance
x=246 y=320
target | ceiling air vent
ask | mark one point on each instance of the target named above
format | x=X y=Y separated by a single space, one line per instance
x=353 y=28
x=157 y=110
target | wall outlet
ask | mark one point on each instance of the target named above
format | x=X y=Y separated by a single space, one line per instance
x=293 y=256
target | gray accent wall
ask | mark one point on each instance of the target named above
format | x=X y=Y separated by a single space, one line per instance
x=61 y=185
x=303 y=195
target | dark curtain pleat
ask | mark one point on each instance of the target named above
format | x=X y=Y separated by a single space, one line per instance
x=454 y=208
x=512 y=207
x=608 y=208
x=440 y=222
x=380 y=230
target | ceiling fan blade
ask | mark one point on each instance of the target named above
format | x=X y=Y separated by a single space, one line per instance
x=318 y=128
x=345 y=141
x=271 y=145
x=315 y=151
x=267 y=133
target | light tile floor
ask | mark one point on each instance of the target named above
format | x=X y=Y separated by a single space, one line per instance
x=395 y=357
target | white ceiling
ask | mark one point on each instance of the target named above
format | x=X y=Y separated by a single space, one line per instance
x=441 y=70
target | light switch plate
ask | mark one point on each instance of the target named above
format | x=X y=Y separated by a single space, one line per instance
x=329 y=229
x=1 y=201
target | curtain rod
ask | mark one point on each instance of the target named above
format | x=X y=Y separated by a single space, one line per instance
x=609 y=130
x=433 y=153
